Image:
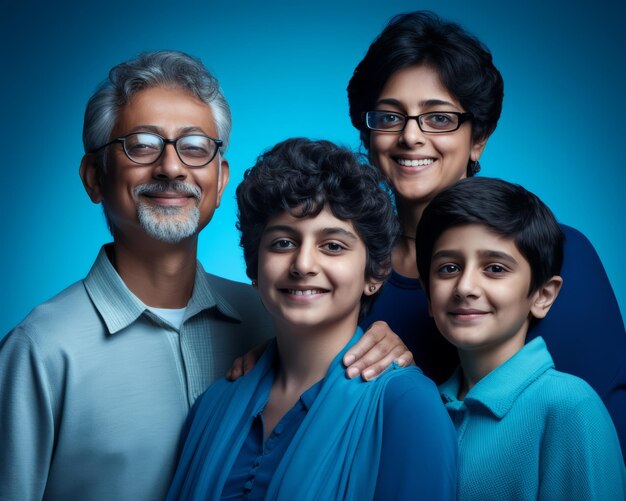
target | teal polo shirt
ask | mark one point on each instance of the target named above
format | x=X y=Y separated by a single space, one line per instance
x=529 y=432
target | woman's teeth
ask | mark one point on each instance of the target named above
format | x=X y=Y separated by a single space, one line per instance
x=415 y=163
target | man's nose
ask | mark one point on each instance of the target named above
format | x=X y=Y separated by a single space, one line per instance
x=169 y=165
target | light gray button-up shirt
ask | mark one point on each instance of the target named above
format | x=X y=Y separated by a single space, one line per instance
x=94 y=388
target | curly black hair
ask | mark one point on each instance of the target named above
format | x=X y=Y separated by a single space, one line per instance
x=301 y=176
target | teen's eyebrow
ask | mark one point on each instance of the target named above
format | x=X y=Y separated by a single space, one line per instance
x=326 y=232
x=483 y=254
x=280 y=228
x=498 y=255
x=423 y=104
x=446 y=254
x=338 y=231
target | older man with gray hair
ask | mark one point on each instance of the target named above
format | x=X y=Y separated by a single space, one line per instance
x=96 y=383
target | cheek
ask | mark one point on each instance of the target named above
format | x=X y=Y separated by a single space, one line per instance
x=381 y=143
x=439 y=293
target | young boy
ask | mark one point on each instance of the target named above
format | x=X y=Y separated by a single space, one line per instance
x=317 y=231
x=489 y=255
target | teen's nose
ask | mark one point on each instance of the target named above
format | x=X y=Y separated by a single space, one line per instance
x=304 y=262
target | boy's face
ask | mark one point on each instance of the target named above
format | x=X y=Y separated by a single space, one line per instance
x=312 y=272
x=479 y=284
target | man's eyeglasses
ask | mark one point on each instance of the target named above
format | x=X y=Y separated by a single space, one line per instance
x=194 y=150
x=431 y=122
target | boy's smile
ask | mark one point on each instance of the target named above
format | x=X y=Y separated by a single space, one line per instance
x=312 y=272
x=480 y=291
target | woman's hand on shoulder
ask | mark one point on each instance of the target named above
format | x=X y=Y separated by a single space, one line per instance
x=375 y=351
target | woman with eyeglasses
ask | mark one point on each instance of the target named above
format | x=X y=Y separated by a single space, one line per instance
x=425 y=99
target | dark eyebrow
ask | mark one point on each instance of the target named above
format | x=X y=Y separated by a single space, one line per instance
x=499 y=256
x=446 y=254
x=423 y=104
x=484 y=254
x=339 y=231
x=280 y=228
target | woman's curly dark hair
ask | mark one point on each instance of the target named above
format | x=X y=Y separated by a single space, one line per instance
x=301 y=176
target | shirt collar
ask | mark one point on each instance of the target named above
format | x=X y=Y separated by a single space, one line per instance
x=499 y=389
x=119 y=307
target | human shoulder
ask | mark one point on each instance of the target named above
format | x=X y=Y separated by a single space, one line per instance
x=230 y=289
x=565 y=396
x=243 y=297
x=408 y=387
x=56 y=319
x=576 y=242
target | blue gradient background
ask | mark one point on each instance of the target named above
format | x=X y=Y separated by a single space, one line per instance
x=284 y=68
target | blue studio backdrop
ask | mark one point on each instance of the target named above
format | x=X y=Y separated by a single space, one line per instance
x=284 y=67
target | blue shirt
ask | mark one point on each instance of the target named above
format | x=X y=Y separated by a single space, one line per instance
x=388 y=439
x=411 y=453
x=527 y=432
x=584 y=330
x=95 y=388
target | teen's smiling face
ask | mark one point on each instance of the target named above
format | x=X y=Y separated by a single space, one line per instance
x=419 y=165
x=311 y=273
x=187 y=197
x=479 y=284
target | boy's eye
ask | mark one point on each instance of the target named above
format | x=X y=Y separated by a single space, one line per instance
x=496 y=268
x=333 y=247
x=282 y=244
x=448 y=268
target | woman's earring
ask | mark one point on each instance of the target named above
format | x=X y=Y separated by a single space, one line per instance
x=254 y=283
x=372 y=288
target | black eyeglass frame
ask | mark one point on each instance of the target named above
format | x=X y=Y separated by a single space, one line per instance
x=166 y=141
x=462 y=116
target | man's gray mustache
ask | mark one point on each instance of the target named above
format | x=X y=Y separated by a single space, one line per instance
x=168 y=187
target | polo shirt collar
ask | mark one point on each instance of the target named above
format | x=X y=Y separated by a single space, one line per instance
x=499 y=389
x=119 y=307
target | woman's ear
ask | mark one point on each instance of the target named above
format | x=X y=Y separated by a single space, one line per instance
x=477 y=149
x=544 y=297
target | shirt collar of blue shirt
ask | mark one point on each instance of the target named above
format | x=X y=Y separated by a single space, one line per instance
x=119 y=307
x=499 y=389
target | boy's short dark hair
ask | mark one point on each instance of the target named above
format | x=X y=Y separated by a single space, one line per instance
x=505 y=208
x=301 y=176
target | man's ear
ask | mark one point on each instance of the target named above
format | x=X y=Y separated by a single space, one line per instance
x=543 y=298
x=223 y=175
x=92 y=177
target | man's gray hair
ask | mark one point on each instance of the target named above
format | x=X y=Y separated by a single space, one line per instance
x=152 y=69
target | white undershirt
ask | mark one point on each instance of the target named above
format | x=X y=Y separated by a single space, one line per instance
x=173 y=316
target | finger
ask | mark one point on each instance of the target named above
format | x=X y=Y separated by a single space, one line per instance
x=400 y=355
x=376 y=360
x=252 y=357
x=373 y=336
x=236 y=369
x=248 y=362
